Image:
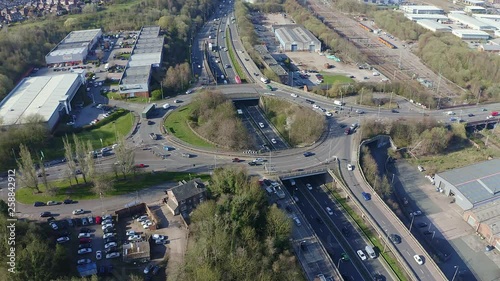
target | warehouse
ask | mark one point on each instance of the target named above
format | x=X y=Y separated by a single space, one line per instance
x=48 y=96
x=470 y=22
x=487 y=16
x=475 y=10
x=470 y=34
x=434 y=26
x=421 y=9
x=486 y=221
x=293 y=37
x=146 y=54
x=433 y=17
x=271 y=63
x=74 y=47
x=495 y=24
x=474 y=2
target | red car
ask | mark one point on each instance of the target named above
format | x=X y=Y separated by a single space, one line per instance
x=141 y=165
x=85 y=240
x=236 y=160
x=98 y=220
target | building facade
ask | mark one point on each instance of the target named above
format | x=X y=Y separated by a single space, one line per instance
x=74 y=48
x=293 y=38
x=184 y=198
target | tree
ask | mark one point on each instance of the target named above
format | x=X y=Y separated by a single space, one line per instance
x=43 y=173
x=69 y=154
x=125 y=157
x=90 y=162
x=156 y=94
x=101 y=185
x=27 y=169
x=83 y=156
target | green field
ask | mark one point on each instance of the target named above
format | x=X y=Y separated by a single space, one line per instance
x=83 y=192
x=334 y=79
x=232 y=55
x=176 y=124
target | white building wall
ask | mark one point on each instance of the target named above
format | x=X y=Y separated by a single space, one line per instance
x=460 y=200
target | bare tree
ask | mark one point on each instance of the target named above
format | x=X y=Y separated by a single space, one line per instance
x=43 y=173
x=27 y=169
x=90 y=163
x=82 y=156
x=102 y=185
x=125 y=157
x=70 y=159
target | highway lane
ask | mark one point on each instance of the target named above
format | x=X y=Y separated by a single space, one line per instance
x=267 y=128
x=406 y=248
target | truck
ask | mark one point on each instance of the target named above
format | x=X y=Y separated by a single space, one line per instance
x=338 y=102
x=212 y=47
x=148 y=111
x=264 y=80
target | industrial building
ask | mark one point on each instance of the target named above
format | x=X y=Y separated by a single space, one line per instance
x=271 y=63
x=74 y=47
x=47 y=96
x=293 y=37
x=487 y=16
x=470 y=22
x=475 y=10
x=495 y=24
x=476 y=190
x=470 y=34
x=146 y=54
x=421 y=9
x=433 y=17
x=434 y=26
x=473 y=2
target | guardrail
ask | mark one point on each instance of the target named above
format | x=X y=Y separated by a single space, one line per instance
x=395 y=218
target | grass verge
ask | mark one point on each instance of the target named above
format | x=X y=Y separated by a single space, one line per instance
x=83 y=191
x=234 y=61
x=116 y=96
x=334 y=79
x=176 y=124
x=388 y=257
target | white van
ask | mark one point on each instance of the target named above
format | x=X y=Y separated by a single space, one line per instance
x=292 y=182
x=369 y=250
x=166 y=106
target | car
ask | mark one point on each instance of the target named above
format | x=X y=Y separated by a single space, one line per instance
x=252 y=163
x=112 y=255
x=141 y=165
x=85 y=240
x=308 y=154
x=83 y=261
x=177 y=101
x=422 y=224
x=134 y=237
x=85 y=221
x=86 y=245
x=54 y=226
x=51 y=219
x=294 y=95
x=52 y=203
x=153 y=136
x=38 y=204
x=61 y=240
x=470 y=115
x=273 y=141
x=297 y=221
x=148 y=268
x=85 y=251
x=106 y=217
x=45 y=214
x=416 y=213
x=344 y=257
x=155 y=270
x=78 y=212
x=361 y=255
x=106 y=222
x=150 y=122
x=108 y=235
x=147 y=224
x=91 y=220
x=112 y=244
x=142 y=218
x=189 y=92
x=309 y=186
x=158 y=236
x=329 y=114
x=131 y=232
x=261 y=124
x=329 y=211
x=427 y=232
x=85 y=230
x=108 y=225
x=394 y=111
x=109 y=230
x=366 y=196
x=418 y=259
x=161 y=241
x=236 y=160
x=84 y=235
x=358 y=111
x=395 y=238
x=350 y=167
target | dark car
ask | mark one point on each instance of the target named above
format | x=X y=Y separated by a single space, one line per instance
x=51 y=219
x=85 y=240
x=150 y=122
x=63 y=233
x=109 y=230
x=85 y=230
x=345 y=231
x=236 y=160
x=86 y=245
x=69 y=201
x=109 y=240
x=422 y=224
x=38 y=204
x=252 y=163
x=394 y=111
x=45 y=214
x=427 y=232
x=366 y=196
x=155 y=270
x=307 y=154
x=395 y=238
x=470 y=115
x=110 y=250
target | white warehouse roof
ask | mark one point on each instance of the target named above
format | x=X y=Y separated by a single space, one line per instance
x=36 y=95
x=435 y=17
x=470 y=21
x=421 y=8
x=434 y=26
x=490 y=22
x=468 y=33
x=486 y=16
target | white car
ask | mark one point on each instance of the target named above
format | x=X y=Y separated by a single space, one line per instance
x=85 y=251
x=109 y=225
x=309 y=186
x=315 y=106
x=108 y=235
x=142 y=218
x=131 y=232
x=98 y=255
x=329 y=114
x=83 y=261
x=147 y=225
x=329 y=211
x=361 y=255
x=358 y=111
x=134 y=237
x=261 y=124
x=112 y=255
x=61 y=240
x=160 y=241
x=109 y=217
x=273 y=141
x=297 y=221
x=350 y=167
x=104 y=222
x=78 y=212
x=54 y=226
x=109 y=245
x=91 y=220
x=158 y=237
x=418 y=259
x=84 y=235
x=294 y=95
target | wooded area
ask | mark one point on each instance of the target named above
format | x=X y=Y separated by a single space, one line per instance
x=214 y=117
x=237 y=236
x=297 y=124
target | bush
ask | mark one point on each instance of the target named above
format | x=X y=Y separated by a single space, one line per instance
x=156 y=94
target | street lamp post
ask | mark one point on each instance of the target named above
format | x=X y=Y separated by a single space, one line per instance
x=433 y=233
x=455 y=274
x=411 y=224
x=338 y=263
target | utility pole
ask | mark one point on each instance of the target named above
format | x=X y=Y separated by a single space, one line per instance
x=400 y=55
x=437 y=91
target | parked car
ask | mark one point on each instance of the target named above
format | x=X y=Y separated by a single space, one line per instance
x=83 y=261
x=51 y=203
x=54 y=226
x=85 y=240
x=134 y=237
x=61 y=240
x=142 y=218
x=85 y=251
x=131 y=232
x=87 y=245
x=112 y=244
x=38 y=204
x=84 y=235
x=158 y=237
x=86 y=230
x=112 y=255
x=155 y=270
x=361 y=255
x=45 y=214
x=161 y=241
x=69 y=201
x=107 y=226
x=78 y=212
x=148 y=268
x=422 y=224
x=108 y=235
x=109 y=240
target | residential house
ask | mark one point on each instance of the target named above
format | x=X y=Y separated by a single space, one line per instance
x=184 y=198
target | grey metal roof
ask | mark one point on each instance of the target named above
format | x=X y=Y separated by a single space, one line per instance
x=188 y=190
x=295 y=33
x=273 y=64
x=79 y=36
x=136 y=75
x=479 y=183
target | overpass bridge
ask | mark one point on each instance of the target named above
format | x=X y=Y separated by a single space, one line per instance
x=488 y=123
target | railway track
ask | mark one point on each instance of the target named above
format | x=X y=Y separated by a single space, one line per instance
x=379 y=55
